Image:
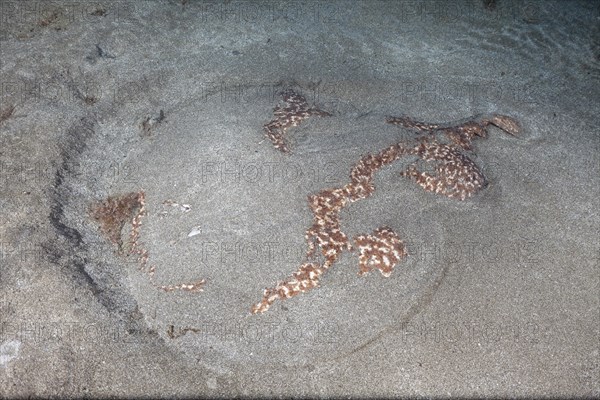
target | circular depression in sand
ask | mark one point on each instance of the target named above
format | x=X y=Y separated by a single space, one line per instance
x=224 y=206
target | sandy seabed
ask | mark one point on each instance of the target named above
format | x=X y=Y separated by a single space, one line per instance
x=497 y=295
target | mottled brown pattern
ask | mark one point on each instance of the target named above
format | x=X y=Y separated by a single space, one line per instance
x=307 y=277
x=113 y=213
x=453 y=174
x=456 y=175
x=326 y=234
x=382 y=250
x=295 y=111
x=463 y=132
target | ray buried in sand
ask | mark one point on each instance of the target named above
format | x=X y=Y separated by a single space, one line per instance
x=449 y=172
x=439 y=162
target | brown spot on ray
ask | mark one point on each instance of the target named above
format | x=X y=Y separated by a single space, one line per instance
x=292 y=114
x=113 y=213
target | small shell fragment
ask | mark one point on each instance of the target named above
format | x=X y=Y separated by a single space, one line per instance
x=182 y=207
x=195 y=231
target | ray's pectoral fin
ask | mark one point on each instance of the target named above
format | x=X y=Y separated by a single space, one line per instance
x=507 y=124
